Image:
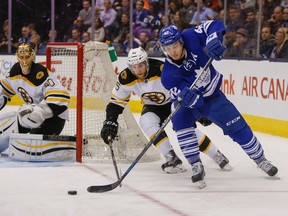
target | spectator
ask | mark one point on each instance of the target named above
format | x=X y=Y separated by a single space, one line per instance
x=119 y=36
x=245 y=4
x=276 y=19
x=280 y=50
x=187 y=12
x=126 y=45
x=26 y=38
x=4 y=40
x=75 y=36
x=99 y=6
x=243 y=47
x=230 y=36
x=32 y=31
x=178 y=21
x=78 y=24
x=267 y=42
x=52 y=37
x=204 y=15
x=173 y=8
x=108 y=16
x=143 y=38
x=125 y=8
x=284 y=3
x=251 y=23
x=86 y=37
x=99 y=31
x=234 y=19
x=155 y=16
x=285 y=17
x=86 y=14
x=140 y=17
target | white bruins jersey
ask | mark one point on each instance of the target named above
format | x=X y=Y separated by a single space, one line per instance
x=38 y=85
x=151 y=91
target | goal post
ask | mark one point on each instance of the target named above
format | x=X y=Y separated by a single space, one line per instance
x=88 y=74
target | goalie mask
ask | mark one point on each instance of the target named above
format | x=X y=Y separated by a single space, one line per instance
x=25 y=55
x=138 y=62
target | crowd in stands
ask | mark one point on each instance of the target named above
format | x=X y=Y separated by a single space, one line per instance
x=111 y=22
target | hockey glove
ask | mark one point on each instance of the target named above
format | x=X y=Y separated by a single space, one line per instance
x=109 y=130
x=205 y=121
x=215 y=47
x=191 y=98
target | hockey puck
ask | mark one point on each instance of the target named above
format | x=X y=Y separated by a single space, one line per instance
x=72 y=192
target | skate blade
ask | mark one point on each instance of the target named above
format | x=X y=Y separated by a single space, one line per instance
x=228 y=167
x=177 y=169
x=201 y=184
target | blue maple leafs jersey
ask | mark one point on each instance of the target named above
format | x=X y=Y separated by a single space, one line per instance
x=176 y=76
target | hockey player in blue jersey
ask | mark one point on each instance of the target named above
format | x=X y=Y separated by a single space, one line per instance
x=186 y=57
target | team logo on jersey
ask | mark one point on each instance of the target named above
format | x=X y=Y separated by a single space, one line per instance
x=156 y=97
x=39 y=75
x=174 y=92
x=188 y=65
x=124 y=75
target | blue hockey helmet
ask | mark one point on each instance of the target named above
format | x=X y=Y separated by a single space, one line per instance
x=169 y=35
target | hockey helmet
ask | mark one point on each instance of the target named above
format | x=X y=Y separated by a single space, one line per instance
x=137 y=56
x=25 y=55
x=169 y=35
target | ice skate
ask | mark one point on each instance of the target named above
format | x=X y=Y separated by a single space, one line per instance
x=222 y=161
x=198 y=174
x=173 y=163
x=268 y=167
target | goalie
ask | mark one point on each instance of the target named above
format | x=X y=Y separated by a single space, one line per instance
x=143 y=76
x=46 y=100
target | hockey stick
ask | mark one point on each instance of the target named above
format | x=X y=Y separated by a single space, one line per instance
x=109 y=187
x=113 y=158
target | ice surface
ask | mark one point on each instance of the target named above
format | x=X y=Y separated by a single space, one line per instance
x=29 y=189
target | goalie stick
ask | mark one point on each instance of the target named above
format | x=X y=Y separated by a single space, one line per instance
x=109 y=187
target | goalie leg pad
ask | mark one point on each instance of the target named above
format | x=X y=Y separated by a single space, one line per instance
x=7 y=124
x=42 y=148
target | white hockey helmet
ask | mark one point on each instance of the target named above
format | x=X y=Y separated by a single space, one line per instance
x=137 y=56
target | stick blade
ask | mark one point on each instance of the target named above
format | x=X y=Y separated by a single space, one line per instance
x=102 y=188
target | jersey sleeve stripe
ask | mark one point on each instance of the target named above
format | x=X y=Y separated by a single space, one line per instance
x=56 y=92
x=113 y=96
x=9 y=91
x=119 y=103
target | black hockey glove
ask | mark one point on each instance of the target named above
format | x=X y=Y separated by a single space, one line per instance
x=205 y=121
x=109 y=130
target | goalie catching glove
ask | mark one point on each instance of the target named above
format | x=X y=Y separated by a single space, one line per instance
x=32 y=116
x=109 y=130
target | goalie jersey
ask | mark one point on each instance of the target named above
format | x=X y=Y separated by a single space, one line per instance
x=150 y=90
x=40 y=84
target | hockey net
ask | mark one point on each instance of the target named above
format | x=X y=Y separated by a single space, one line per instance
x=90 y=84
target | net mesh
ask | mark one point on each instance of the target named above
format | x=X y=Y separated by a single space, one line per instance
x=98 y=80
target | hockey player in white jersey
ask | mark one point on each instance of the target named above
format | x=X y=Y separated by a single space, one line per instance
x=143 y=76
x=45 y=107
x=186 y=58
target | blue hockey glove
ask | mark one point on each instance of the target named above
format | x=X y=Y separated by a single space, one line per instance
x=109 y=130
x=215 y=47
x=191 y=98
